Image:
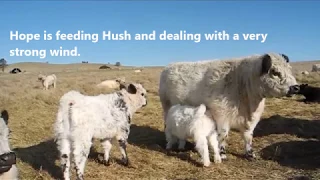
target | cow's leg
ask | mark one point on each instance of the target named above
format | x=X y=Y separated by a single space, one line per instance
x=165 y=108
x=182 y=144
x=223 y=131
x=247 y=135
x=250 y=125
x=222 y=127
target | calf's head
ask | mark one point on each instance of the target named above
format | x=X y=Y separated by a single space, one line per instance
x=41 y=77
x=276 y=76
x=121 y=80
x=138 y=94
x=303 y=89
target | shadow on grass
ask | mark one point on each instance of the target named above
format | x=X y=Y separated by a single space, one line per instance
x=41 y=157
x=98 y=156
x=149 y=138
x=277 y=124
x=294 y=154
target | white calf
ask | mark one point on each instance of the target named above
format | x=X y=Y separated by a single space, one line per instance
x=81 y=118
x=112 y=84
x=183 y=122
x=48 y=80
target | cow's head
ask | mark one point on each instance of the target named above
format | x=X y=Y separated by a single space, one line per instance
x=41 y=77
x=302 y=88
x=276 y=76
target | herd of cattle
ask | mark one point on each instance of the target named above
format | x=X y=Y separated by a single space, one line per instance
x=202 y=100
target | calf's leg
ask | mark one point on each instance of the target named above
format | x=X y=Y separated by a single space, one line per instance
x=106 y=144
x=64 y=148
x=202 y=148
x=213 y=141
x=123 y=150
x=81 y=150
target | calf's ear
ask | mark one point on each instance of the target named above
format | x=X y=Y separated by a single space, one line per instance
x=5 y=116
x=132 y=89
x=123 y=86
x=266 y=64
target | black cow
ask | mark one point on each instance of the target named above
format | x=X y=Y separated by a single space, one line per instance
x=311 y=94
x=15 y=71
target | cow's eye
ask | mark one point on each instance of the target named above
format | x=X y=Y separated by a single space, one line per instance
x=142 y=94
x=275 y=73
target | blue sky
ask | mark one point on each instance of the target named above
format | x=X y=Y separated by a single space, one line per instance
x=292 y=28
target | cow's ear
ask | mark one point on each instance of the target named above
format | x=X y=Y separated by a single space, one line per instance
x=266 y=64
x=285 y=57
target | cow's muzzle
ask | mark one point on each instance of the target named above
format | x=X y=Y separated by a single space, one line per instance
x=145 y=104
x=293 y=90
x=6 y=161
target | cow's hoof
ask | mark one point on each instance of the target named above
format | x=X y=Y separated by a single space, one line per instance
x=106 y=163
x=125 y=161
x=250 y=155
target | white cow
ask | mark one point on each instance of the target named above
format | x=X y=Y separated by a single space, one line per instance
x=233 y=90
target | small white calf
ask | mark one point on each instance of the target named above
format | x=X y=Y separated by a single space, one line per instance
x=48 y=81
x=8 y=169
x=112 y=84
x=137 y=71
x=81 y=118
x=183 y=122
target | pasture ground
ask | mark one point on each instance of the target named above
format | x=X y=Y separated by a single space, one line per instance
x=286 y=140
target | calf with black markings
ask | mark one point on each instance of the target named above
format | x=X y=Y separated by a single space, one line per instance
x=81 y=118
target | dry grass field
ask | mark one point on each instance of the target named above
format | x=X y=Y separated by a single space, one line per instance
x=286 y=140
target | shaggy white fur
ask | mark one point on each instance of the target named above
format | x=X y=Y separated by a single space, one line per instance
x=184 y=122
x=8 y=170
x=81 y=118
x=48 y=81
x=233 y=90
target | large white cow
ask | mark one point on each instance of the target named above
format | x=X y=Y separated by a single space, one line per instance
x=233 y=90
